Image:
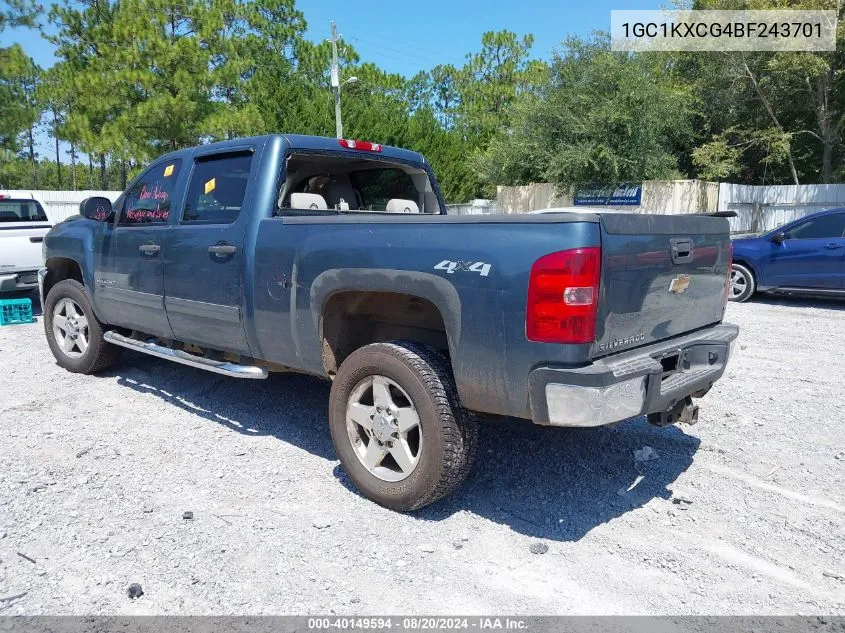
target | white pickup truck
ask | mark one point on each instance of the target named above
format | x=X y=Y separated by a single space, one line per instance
x=23 y=225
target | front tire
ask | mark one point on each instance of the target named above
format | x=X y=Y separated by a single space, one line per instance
x=743 y=284
x=73 y=332
x=398 y=427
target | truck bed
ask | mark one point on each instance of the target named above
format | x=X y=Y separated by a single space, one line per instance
x=485 y=315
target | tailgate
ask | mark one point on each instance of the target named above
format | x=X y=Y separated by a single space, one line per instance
x=20 y=246
x=662 y=276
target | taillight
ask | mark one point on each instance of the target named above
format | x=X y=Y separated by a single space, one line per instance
x=563 y=292
x=728 y=275
x=362 y=146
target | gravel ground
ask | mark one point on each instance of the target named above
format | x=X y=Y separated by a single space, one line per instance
x=741 y=514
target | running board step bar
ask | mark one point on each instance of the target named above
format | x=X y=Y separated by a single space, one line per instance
x=178 y=356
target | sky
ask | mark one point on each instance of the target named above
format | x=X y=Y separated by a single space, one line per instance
x=406 y=37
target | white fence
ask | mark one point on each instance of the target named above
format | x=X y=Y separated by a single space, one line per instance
x=758 y=208
x=59 y=205
x=766 y=207
x=478 y=206
x=660 y=197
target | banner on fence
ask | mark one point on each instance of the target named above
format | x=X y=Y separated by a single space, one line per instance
x=626 y=194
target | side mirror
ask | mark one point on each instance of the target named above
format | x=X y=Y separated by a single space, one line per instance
x=97 y=209
x=779 y=237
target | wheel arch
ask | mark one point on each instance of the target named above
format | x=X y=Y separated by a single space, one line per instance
x=59 y=269
x=743 y=261
x=356 y=307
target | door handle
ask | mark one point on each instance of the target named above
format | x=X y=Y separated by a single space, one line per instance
x=149 y=249
x=221 y=250
x=682 y=250
x=832 y=245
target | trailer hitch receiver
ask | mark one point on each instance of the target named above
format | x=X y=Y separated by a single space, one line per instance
x=684 y=412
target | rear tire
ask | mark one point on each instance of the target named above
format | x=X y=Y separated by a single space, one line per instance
x=398 y=427
x=73 y=332
x=743 y=284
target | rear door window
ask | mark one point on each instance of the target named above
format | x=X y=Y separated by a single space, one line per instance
x=148 y=201
x=217 y=189
x=21 y=211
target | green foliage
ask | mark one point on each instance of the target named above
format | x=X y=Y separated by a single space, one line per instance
x=723 y=157
x=187 y=75
x=785 y=111
x=137 y=78
x=601 y=117
x=717 y=159
x=492 y=80
x=18 y=13
x=16 y=173
x=19 y=110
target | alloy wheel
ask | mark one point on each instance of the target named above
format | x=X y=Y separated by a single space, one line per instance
x=384 y=428
x=739 y=283
x=70 y=328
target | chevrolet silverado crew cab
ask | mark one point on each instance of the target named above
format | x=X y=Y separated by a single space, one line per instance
x=23 y=225
x=336 y=258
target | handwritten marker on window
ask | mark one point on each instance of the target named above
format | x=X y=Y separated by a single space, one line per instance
x=168 y=171
x=210 y=185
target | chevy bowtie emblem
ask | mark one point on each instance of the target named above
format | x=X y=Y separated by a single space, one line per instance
x=679 y=284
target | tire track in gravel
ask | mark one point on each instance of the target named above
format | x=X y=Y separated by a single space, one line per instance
x=765 y=486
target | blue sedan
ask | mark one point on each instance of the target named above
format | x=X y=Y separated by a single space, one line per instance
x=806 y=256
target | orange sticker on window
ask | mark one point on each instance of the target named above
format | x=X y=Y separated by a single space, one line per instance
x=210 y=185
x=168 y=171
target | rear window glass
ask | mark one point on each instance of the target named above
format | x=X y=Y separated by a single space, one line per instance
x=378 y=186
x=317 y=182
x=21 y=211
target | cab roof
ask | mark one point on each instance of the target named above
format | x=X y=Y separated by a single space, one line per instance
x=302 y=142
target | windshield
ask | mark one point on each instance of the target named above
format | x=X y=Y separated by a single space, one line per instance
x=330 y=183
x=21 y=211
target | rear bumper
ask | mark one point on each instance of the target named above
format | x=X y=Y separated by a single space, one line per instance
x=18 y=280
x=650 y=379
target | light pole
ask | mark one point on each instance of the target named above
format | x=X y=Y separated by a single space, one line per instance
x=337 y=84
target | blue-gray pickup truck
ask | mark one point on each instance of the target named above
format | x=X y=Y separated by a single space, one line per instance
x=336 y=258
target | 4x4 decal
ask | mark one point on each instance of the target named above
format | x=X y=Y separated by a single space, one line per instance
x=482 y=268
